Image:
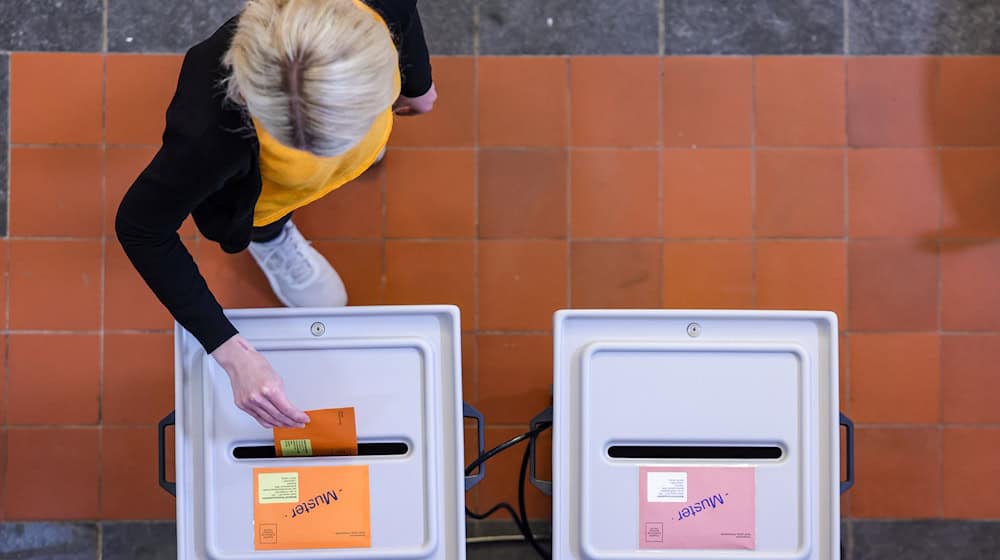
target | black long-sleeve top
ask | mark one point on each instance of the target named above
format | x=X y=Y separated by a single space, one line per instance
x=208 y=167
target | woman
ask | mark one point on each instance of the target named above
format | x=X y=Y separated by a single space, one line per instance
x=286 y=102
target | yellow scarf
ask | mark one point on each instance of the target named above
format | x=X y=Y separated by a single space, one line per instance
x=293 y=178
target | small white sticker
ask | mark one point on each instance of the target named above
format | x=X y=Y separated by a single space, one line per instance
x=278 y=488
x=667 y=487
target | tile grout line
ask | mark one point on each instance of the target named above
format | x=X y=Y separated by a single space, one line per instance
x=940 y=324
x=595 y=148
x=476 y=162
x=4 y=462
x=661 y=38
x=103 y=290
x=845 y=367
x=104 y=181
x=660 y=171
x=476 y=35
x=9 y=148
x=753 y=182
x=568 y=130
x=847 y=27
x=383 y=279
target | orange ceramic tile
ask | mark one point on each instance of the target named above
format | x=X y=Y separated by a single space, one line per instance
x=844 y=358
x=515 y=377
x=971 y=197
x=55 y=285
x=521 y=284
x=439 y=272
x=453 y=120
x=969 y=379
x=615 y=193
x=359 y=264
x=235 y=280
x=55 y=98
x=522 y=193
x=707 y=101
x=708 y=275
x=470 y=375
x=616 y=275
x=52 y=474
x=810 y=275
x=138 y=386
x=44 y=388
x=139 y=89
x=706 y=194
x=614 y=100
x=129 y=488
x=898 y=473
x=965 y=107
x=471 y=450
x=128 y=301
x=800 y=101
x=970 y=276
x=3 y=408
x=971 y=464
x=894 y=193
x=522 y=101
x=893 y=286
x=56 y=192
x=500 y=484
x=124 y=164
x=889 y=100
x=800 y=193
x=895 y=379
x=353 y=211
x=431 y=193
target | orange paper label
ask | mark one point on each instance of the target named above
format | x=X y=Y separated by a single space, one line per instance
x=311 y=507
x=331 y=431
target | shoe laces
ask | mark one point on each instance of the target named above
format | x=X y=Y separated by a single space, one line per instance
x=290 y=258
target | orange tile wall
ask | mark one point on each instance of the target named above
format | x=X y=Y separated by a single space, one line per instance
x=867 y=186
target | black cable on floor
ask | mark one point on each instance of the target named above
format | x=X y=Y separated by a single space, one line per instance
x=529 y=534
x=520 y=520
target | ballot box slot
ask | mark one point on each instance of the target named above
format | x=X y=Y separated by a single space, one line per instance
x=368 y=449
x=696 y=452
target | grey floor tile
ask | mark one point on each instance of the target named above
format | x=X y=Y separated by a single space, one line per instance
x=48 y=541
x=449 y=26
x=538 y=27
x=140 y=541
x=4 y=166
x=158 y=26
x=754 y=26
x=925 y=540
x=51 y=25
x=924 y=27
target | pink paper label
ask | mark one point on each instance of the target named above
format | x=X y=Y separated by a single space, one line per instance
x=697 y=507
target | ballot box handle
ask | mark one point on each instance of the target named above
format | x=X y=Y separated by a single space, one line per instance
x=848 y=482
x=537 y=423
x=167 y=485
x=468 y=411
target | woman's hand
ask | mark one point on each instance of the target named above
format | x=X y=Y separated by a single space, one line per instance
x=257 y=388
x=410 y=106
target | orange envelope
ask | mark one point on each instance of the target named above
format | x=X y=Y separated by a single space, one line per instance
x=331 y=431
x=311 y=507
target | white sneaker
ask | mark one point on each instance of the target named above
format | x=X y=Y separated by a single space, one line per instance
x=299 y=275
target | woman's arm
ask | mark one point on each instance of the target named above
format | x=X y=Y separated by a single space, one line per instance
x=418 y=92
x=187 y=169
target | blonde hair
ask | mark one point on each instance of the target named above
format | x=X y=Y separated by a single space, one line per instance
x=314 y=73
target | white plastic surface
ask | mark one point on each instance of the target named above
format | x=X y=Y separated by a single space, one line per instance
x=400 y=367
x=749 y=378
